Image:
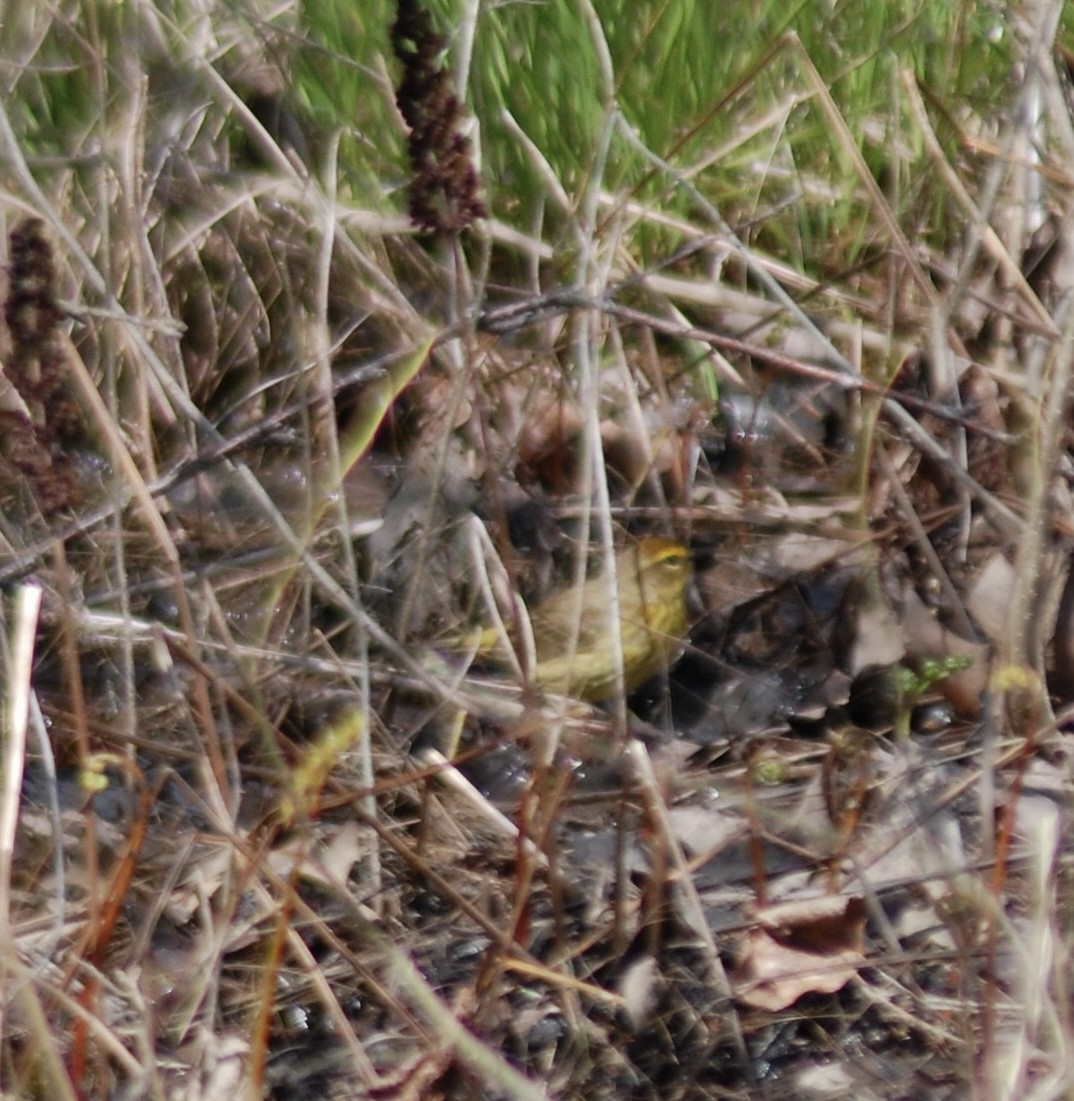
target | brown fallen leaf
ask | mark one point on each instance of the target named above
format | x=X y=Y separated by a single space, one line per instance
x=809 y=946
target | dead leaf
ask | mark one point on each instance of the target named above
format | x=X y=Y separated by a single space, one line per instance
x=810 y=946
x=328 y=864
x=639 y=988
x=989 y=598
x=704 y=828
x=877 y=639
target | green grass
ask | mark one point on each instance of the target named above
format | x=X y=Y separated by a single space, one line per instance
x=692 y=79
x=717 y=93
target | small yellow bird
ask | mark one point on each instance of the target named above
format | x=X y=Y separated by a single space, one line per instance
x=572 y=633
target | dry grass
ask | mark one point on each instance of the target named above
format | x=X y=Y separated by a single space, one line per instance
x=266 y=450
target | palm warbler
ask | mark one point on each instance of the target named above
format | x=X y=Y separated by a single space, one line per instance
x=572 y=635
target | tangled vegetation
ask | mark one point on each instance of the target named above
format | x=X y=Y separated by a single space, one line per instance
x=535 y=550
